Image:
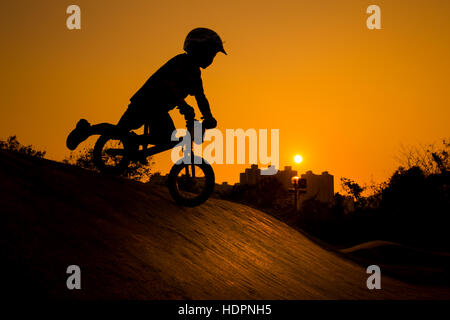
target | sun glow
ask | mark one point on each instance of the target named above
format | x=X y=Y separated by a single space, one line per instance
x=298 y=159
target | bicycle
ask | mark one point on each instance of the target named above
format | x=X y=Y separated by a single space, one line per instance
x=191 y=179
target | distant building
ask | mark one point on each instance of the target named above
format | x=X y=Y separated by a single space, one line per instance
x=252 y=176
x=285 y=176
x=320 y=187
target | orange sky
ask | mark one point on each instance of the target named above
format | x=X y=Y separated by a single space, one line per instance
x=343 y=96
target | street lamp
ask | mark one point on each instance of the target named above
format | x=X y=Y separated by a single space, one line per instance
x=295 y=184
x=299 y=186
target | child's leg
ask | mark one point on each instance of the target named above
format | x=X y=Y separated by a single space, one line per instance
x=130 y=120
x=78 y=135
x=161 y=128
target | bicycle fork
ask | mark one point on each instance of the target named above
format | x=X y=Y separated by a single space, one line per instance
x=191 y=162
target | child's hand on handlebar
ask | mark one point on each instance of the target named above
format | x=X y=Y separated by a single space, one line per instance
x=209 y=122
x=187 y=111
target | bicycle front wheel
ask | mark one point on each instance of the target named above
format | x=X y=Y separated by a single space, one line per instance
x=191 y=185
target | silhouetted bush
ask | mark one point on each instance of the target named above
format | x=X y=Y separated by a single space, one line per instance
x=417 y=207
x=82 y=159
x=13 y=145
x=136 y=170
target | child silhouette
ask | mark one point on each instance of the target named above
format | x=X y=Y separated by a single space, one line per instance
x=164 y=90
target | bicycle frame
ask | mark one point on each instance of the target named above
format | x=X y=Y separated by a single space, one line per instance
x=145 y=140
x=147 y=152
x=183 y=176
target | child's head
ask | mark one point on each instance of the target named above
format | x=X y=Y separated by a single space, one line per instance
x=203 y=44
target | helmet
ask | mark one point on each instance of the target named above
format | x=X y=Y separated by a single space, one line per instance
x=203 y=37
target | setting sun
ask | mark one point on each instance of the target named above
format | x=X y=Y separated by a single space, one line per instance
x=298 y=158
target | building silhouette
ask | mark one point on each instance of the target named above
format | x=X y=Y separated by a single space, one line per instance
x=252 y=176
x=320 y=187
x=285 y=176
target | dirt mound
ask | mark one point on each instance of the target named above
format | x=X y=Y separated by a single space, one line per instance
x=131 y=241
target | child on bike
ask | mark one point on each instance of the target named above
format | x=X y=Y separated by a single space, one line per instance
x=164 y=90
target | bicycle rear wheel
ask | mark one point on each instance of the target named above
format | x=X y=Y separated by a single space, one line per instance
x=111 y=154
x=191 y=184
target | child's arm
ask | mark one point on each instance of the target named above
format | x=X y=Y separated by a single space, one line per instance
x=186 y=109
x=203 y=105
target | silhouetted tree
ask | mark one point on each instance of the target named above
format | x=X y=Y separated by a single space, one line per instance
x=12 y=144
x=352 y=188
x=417 y=206
x=430 y=159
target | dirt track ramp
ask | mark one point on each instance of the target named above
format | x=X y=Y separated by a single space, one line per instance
x=131 y=241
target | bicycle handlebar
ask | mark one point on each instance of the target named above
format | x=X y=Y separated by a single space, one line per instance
x=190 y=127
